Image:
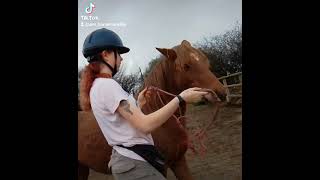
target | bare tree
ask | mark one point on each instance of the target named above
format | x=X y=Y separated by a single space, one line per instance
x=224 y=51
x=130 y=83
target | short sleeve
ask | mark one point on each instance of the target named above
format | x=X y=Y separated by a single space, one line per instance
x=112 y=94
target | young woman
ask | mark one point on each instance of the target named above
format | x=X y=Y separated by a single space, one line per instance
x=126 y=128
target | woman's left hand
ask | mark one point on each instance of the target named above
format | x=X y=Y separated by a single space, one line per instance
x=142 y=97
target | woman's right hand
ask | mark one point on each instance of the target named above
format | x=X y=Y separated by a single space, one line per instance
x=193 y=95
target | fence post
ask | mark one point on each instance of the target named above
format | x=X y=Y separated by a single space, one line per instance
x=240 y=78
x=227 y=89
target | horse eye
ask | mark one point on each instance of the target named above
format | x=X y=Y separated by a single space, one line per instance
x=186 y=67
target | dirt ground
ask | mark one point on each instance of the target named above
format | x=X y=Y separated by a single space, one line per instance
x=224 y=146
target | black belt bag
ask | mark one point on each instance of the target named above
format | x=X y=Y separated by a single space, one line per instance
x=150 y=154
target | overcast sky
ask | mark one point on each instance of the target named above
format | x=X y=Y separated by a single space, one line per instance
x=146 y=24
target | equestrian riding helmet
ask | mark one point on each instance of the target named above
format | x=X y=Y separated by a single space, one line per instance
x=102 y=39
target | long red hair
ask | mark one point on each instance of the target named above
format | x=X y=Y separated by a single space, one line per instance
x=88 y=75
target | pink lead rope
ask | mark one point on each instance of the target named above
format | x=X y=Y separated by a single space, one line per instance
x=200 y=134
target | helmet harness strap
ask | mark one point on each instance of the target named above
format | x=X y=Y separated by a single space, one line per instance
x=113 y=69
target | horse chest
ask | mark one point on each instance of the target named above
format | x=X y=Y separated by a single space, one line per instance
x=171 y=140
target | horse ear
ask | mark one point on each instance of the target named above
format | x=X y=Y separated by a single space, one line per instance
x=169 y=53
x=186 y=43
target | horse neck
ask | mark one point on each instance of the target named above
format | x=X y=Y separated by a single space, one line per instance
x=162 y=77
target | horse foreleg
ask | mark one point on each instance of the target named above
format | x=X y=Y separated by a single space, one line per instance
x=181 y=170
x=83 y=172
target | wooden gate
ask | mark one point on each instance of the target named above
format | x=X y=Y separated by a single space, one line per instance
x=236 y=83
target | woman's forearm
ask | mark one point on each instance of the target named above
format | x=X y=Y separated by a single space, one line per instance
x=157 y=118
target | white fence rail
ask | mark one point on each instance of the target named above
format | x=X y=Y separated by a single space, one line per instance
x=228 y=86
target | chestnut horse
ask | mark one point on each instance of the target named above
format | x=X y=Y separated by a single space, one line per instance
x=179 y=68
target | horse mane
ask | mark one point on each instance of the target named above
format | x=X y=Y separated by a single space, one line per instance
x=161 y=75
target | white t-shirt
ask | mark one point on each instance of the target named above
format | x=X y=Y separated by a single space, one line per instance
x=105 y=97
